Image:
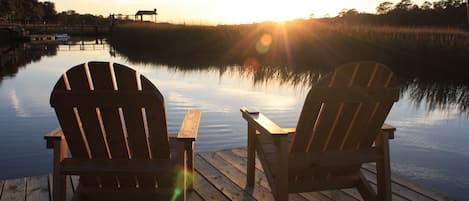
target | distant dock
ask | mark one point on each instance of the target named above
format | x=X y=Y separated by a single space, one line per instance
x=23 y=32
x=72 y=30
x=221 y=175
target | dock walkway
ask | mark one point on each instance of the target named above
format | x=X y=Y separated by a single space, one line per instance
x=221 y=175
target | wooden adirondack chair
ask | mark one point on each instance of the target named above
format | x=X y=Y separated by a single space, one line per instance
x=114 y=123
x=340 y=127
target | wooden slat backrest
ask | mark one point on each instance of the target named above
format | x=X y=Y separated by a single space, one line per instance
x=349 y=116
x=99 y=122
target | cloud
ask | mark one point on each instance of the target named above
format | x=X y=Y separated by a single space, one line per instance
x=19 y=109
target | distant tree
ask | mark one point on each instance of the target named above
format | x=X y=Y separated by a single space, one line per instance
x=426 y=5
x=348 y=12
x=404 y=5
x=6 y=8
x=71 y=12
x=405 y=13
x=453 y=3
x=384 y=7
x=49 y=10
x=439 y=5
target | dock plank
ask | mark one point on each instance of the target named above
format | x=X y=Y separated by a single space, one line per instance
x=1 y=187
x=14 y=190
x=222 y=183
x=402 y=183
x=398 y=193
x=237 y=177
x=221 y=175
x=75 y=180
x=207 y=190
x=37 y=188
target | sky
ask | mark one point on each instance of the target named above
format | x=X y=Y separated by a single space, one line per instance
x=221 y=11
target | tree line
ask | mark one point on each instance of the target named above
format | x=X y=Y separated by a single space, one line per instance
x=449 y=13
x=35 y=12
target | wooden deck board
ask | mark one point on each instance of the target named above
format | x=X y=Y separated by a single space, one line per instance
x=221 y=175
x=1 y=187
x=37 y=188
x=221 y=182
x=207 y=190
x=14 y=190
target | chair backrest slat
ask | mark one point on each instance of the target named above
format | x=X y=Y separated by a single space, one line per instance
x=69 y=125
x=358 y=77
x=157 y=132
x=330 y=112
x=134 y=121
x=346 y=108
x=137 y=138
x=88 y=117
x=101 y=75
x=102 y=81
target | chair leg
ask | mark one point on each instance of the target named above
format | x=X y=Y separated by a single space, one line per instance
x=182 y=162
x=282 y=176
x=59 y=180
x=383 y=170
x=58 y=187
x=251 y=165
x=190 y=164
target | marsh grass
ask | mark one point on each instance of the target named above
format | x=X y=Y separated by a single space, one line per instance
x=297 y=44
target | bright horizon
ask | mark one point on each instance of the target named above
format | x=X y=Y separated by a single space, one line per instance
x=221 y=12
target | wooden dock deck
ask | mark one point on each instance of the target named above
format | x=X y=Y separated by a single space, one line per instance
x=221 y=175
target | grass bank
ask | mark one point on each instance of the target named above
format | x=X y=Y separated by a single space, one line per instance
x=298 y=45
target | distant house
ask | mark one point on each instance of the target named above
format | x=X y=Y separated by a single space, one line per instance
x=141 y=13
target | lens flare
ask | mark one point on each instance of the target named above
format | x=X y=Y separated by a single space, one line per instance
x=263 y=45
x=184 y=178
x=266 y=39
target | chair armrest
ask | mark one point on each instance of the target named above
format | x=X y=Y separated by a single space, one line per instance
x=51 y=137
x=290 y=130
x=388 y=130
x=262 y=123
x=190 y=125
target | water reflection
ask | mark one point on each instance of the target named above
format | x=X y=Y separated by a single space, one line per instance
x=16 y=56
x=438 y=80
x=441 y=95
x=440 y=87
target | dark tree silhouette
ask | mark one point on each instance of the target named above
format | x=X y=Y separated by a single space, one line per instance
x=447 y=13
x=384 y=7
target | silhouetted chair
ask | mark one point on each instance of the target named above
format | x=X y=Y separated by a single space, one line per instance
x=114 y=123
x=340 y=127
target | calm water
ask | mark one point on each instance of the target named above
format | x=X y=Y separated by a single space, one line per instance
x=430 y=145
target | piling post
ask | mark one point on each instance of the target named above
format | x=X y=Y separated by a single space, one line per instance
x=467 y=12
